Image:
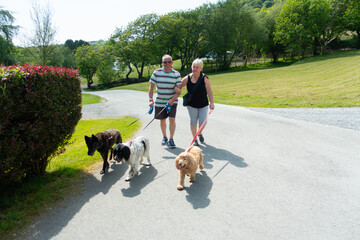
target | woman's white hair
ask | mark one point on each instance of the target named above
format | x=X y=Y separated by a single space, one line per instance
x=198 y=62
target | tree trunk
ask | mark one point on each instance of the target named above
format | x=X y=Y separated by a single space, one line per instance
x=130 y=70
x=89 y=82
x=141 y=70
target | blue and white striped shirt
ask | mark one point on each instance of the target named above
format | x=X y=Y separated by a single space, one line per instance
x=165 y=83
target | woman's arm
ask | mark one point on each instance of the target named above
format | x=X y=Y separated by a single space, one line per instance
x=209 y=93
x=180 y=86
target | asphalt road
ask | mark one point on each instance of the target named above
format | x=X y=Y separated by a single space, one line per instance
x=265 y=177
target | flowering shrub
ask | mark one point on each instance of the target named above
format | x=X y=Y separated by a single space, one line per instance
x=39 y=109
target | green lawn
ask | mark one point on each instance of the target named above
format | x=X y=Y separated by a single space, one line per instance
x=88 y=98
x=323 y=81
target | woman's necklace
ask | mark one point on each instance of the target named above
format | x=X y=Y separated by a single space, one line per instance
x=194 y=79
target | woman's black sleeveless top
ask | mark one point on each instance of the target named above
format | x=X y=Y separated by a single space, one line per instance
x=198 y=92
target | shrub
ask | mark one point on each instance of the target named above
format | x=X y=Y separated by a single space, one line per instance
x=40 y=107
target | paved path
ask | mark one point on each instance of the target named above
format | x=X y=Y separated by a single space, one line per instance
x=265 y=177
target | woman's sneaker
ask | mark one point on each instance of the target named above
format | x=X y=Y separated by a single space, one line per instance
x=164 y=141
x=201 y=138
x=196 y=143
x=171 y=144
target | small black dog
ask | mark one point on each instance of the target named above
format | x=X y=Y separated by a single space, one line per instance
x=103 y=142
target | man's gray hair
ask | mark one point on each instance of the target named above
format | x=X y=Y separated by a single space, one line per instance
x=166 y=56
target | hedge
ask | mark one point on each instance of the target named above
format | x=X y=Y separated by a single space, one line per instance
x=40 y=108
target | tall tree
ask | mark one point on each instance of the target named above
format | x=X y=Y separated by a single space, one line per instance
x=232 y=30
x=293 y=26
x=136 y=44
x=89 y=59
x=42 y=42
x=121 y=48
x=268 y=17
x=352 y=17
x=7 y=32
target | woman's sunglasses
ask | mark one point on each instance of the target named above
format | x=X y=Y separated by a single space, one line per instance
x=167 y=62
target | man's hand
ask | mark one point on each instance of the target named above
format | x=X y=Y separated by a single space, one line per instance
x=151 y=103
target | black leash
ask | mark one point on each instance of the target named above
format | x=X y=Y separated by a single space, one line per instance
x=153 y=119
x=134 y=122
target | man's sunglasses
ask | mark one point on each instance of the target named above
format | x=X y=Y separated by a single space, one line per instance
x=167 y=62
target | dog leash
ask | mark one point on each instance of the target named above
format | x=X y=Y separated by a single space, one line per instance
x=148 y=112
x=154 y=118
x=202 y=125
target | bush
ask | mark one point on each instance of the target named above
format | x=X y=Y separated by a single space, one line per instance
x=40 y=107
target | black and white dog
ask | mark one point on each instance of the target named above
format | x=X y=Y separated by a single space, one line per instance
x=133 y=152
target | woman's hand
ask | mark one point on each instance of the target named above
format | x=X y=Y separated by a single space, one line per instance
x=212 y=106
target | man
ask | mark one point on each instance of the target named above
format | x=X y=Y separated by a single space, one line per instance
x=165 y=79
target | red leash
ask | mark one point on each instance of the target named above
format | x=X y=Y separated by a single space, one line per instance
x=202 y=125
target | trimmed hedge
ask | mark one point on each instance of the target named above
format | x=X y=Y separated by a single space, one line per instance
x=40 y=108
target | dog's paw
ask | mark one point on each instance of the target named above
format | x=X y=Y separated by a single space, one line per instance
x=180 y=187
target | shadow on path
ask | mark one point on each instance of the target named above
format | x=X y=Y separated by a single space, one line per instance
x=198 y=192
x=146 y=176
x=211 y=153
x=58 y=218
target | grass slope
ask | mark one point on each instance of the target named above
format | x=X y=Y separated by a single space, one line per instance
x=323 y=81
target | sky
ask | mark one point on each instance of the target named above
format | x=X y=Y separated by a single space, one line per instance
x=91 y=20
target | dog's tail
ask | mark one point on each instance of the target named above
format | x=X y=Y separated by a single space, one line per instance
x=143 y=142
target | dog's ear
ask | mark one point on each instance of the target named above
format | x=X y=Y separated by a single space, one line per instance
x=94 y=138
x=190 y=161
x=126 y=152
x=177 y=162
x=87 y=139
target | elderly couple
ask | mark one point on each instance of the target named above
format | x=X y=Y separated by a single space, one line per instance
x=168 y=88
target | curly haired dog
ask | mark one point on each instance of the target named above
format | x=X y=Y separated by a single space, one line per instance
x=133 y=152
x=188 y=162
x=103 y=142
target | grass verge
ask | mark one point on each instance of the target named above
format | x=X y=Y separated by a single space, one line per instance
x=91 y=98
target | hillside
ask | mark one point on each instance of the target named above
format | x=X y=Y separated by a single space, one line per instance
x=323 y=81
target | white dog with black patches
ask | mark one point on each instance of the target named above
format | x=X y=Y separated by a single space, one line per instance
x=133 y=153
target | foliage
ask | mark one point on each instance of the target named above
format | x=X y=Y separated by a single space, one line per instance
x=232 y=30
x=89 y=59
x=352 y=17
x=258 y=4
x=7 y=31
x=73 y=45
x=37 y=117
x=136 y=44
x=268 y=17
x=107 y=74
x=293 y=26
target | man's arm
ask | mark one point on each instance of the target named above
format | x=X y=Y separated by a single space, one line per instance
x=151 y=94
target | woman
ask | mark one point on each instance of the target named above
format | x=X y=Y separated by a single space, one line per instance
x=198 y=85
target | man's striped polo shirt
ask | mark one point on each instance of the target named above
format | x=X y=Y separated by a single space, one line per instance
x=165 y=83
